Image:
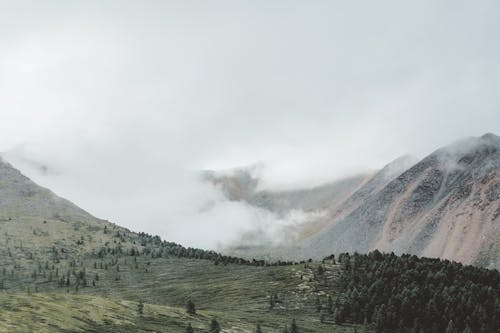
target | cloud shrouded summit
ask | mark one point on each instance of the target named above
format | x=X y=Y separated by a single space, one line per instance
x=117 y=105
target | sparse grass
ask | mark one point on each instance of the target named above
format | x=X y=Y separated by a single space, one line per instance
x=83 y=313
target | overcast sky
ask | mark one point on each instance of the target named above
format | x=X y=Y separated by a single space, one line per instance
x=123 y=101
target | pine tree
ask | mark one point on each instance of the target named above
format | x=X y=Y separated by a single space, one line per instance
x=272 y=302
x=294 y=328
x=380 y=319
x=330 y=305
x=416 y=326
x=338 y=316
x=214 y=326
x=189 y=328
x=318 y=304
x=258 y=329
x=190 y=308
x=140 y=308
x=451 y=327
x=467 y=329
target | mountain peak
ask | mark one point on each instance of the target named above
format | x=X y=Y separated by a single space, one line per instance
x=490 y=137
x=481 y=147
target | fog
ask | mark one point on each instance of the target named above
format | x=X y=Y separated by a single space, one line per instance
x=118 y=105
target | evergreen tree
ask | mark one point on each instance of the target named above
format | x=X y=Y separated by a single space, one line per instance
x=318 y=304
x=380 y=319
x=451 y=327
x=190 y=308
x=416 y=326
x=189 y=328
x=329 y=308
x=467 y=329
x=294 y=328
x=272 y=302
x=214 y=326
x=140 y=308
x=338 y=316
x=258 y=329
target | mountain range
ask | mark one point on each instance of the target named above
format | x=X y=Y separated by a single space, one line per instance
x=64 y=270
x=445 y=205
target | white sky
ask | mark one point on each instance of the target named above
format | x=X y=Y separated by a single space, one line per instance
x=122 y=100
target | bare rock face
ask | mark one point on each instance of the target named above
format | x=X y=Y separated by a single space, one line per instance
x=447 y=206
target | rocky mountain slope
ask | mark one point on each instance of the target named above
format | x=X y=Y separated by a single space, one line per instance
x=446 y=205
x=319 y=204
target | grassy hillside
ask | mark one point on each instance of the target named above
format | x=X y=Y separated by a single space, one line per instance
x=83 y=313
x=79 y=276
x=78 y=313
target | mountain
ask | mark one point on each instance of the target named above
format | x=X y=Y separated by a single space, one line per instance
x=63 y=270
x=319 y=204
x=447 y=205
x=303 y=209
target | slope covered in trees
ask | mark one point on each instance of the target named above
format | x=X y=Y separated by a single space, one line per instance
x=411 y=294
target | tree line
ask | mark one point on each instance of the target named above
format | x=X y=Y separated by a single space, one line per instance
x=155 y=247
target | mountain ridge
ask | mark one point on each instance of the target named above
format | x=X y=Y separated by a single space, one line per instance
x=445 y=205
